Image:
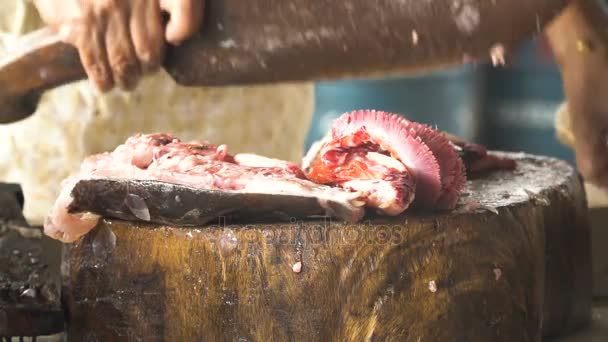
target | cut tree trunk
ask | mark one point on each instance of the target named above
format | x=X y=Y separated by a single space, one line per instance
x=511 y=263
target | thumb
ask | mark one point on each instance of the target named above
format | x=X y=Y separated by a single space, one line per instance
x=185 y=19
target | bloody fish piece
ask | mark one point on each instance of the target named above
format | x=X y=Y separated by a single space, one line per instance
x=452 y=171
x=437 y=172
x=201 y=169
x=477 y=159
x=387 y=183
x=385 y=134
x=489 y=163
x=388 y=132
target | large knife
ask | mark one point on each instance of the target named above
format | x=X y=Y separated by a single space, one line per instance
x=268 y=41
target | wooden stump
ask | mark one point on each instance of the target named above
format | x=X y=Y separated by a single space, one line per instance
x=512 y=263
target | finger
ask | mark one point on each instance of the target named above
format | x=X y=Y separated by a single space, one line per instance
x=91 y=48
x=147 y=33
x=186 y=18
x=125 y=67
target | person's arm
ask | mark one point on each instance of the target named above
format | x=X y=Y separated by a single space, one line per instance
x=119 y=41
x=579 y=40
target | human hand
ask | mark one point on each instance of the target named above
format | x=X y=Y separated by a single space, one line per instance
x=580 y=44
x=120 y=41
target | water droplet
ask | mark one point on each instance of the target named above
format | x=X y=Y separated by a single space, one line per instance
x=432 y=286
x=297 y=267
x=31 y=293
x=34 y=261
x=189 y=235
x=16 y=252
x=228 y=240
x=497 y=54
x=43 y=73
x=497 y=273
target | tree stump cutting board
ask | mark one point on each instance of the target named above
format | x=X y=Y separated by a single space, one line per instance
x=511 y=263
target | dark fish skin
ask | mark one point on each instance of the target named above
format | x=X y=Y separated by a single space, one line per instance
x=178 y=205
x=477 y=160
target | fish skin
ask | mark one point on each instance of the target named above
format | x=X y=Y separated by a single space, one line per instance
x=178 y=205
x=477 y=159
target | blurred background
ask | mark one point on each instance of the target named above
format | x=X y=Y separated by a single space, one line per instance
x=509 y=108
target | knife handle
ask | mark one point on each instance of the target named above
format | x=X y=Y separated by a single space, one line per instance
x=39 y=61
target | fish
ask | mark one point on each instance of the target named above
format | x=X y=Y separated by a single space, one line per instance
x=369 y=161
x=389 y=152
x=178 y=205
x=157 y=178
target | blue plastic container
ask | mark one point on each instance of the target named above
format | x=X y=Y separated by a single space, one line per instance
x=448 y=99
x=521 y=104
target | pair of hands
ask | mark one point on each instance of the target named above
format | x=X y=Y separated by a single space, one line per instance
x=121 y=40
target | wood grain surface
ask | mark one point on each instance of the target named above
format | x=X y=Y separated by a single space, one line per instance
x=511 y=263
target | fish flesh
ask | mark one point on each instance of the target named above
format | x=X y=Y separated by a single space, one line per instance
x=159 y=179
x=369 y=160
x=373 y=150
x=476 y=158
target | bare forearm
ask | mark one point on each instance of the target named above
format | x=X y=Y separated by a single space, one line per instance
x=579 y=40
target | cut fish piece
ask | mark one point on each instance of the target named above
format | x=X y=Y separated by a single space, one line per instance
x=158 y=167
x=254 y=160
x=370 y=159
x=180 y=205
x=387 y=183
x=451 y=168
x=380 y=147
x=389 y=134
x=477 y=159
